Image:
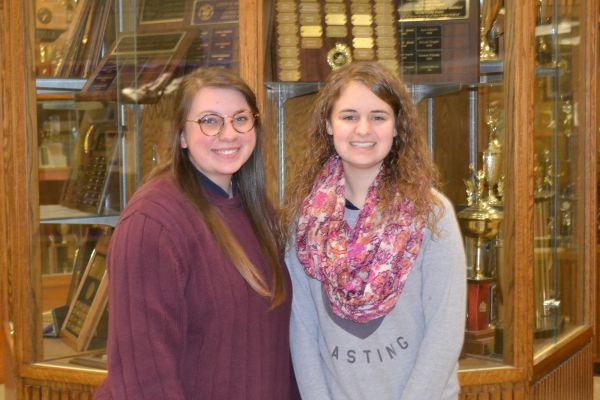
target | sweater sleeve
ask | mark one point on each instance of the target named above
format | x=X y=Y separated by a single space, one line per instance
x=444 y=308
x=309 y=366
x=146 y=312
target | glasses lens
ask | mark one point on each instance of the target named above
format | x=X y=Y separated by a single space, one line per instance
x=243 y=122
x=211 y=124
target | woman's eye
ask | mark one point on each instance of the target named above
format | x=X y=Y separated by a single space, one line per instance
x=209 y=120
x=241 y=118
x=379 y=117
x=348 y=117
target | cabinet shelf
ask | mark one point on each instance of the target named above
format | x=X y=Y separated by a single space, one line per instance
x=57 y=214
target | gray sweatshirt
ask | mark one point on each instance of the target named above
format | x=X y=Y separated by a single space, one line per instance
x=409 y=354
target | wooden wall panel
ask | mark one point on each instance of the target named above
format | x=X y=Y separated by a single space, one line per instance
x=504 y=391
x=570 y=380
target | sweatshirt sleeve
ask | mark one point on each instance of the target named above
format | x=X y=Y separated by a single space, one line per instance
x=444 y=303
x=146 y=312
x=304 y=335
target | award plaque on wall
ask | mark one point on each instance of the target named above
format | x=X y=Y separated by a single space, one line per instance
x=314 y=37
x=89 y=304
x=438 y=40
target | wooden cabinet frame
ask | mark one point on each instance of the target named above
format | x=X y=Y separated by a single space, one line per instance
x=526 y=378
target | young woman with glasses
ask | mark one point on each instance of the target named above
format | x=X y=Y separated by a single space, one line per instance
x=199 y=298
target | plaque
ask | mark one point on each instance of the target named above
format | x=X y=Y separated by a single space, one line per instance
x=162 y=11
x=212 y=12
x=438 y=41
x=90 y=301
x=145 y=64
x=92 y=178
x=328 y=34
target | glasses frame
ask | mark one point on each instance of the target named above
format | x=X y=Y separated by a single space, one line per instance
x=224 y=118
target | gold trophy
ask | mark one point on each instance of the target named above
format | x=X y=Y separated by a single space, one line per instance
x=479 y=222
x=489 y=13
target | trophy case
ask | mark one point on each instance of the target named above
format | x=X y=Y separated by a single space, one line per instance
x=87 y=93
x=502 y=91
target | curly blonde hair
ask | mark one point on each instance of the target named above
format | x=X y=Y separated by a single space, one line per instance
x=407 y=169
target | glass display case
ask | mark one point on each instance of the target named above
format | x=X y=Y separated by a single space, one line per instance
x=83 y=123
x=502 y=92
x=500 y=89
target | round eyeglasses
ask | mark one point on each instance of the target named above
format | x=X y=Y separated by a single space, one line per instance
x=212 y=124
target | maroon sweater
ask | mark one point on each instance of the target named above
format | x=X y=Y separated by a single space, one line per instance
x=183 y=322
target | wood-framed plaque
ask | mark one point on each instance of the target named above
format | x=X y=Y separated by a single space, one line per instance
x=89 y=303
x=145 y=63
x=438 y=41
x=422 y=40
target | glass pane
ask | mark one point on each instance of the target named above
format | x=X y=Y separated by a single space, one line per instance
x=106 y=75
x=454 y=75
x=558 y=210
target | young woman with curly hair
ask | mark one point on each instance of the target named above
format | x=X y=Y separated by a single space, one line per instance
x=374 y=251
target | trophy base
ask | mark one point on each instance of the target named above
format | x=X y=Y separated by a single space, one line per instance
x=480 y=342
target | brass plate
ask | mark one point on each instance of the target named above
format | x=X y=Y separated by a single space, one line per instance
x=287 y=29
x=287 y=40
x=364 y=54
x=362 y=31
x=357 y=8
x=362 y=43
x=310 y=19
x=338 y=31
x=289 y=75
x=286 y=6
x=335 y=9
x=286 y=18
x=288 y=52
x=362 y=19
x=386 y=52
x=336 y=19
x=309 y=8
x=311 y=43
x=311 y=31
x=289 y=63
x=385 y=31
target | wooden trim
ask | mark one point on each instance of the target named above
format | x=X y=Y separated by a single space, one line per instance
x=588 y=69
x=561 y=352
x=252 y=46
x=519 y=67
x=491 y=376
x=76 y=376
x=20 y=170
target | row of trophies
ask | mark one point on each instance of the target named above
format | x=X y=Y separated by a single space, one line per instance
x=481 y=225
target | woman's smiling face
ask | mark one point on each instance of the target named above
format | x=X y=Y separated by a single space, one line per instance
x=220 y=156
x=363 y=128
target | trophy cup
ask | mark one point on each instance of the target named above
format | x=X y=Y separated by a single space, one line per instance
x=489 y=13
x=479 y=222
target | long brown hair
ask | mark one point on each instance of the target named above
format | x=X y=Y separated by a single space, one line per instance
x=250 y=183
x=407 y=169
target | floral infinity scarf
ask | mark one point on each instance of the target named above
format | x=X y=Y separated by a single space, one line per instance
x=362 y=269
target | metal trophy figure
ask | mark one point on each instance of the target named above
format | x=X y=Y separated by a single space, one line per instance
x=479 y=222
x=489 y=13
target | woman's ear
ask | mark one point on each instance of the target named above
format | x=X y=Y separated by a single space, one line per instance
x=182 y=141
x=328 y=128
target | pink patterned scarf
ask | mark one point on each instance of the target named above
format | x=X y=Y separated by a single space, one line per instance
x=362 y=269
